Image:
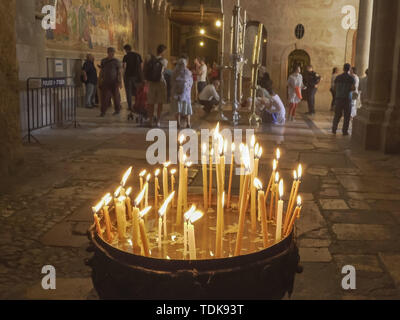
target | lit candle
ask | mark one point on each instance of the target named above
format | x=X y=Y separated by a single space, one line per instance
x=162 y=213
x=271 y=179
x=262 y=212
x=204 y=167
x=128 y=202
x=241 y=148
x=120 y=210
x=253 y=215
x=135 y=222
x=287 y=215
x=141 y=177
x=228 y=203
x=274 y=191
x=156 y=188
x=211 y=179
x=296 y=214
x=279 y=214
x=278 y=156
x=242 y=215
x=146 y=187
x=296 y=189
x=173 y=172
x=165 y=180
x=95 y=210
x=107 y=200
x=97 y=223
x=185 y=231
x=191 y=234
x=181 y=181
x=143 y=233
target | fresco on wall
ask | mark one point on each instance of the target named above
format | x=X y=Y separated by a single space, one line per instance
x=93 y=24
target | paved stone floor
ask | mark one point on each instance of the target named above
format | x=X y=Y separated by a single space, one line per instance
x=351 y=214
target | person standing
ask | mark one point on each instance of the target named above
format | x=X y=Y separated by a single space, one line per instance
x=344 y=85
x=209 y=97
x=110 y=82
x=295 y=86
x=311 y=81
x=154 y=73
x=354 y=94
x=90 y=79
x=195 y=72
x=203 y=73
x=182 y=82
x=335 y=73
x=132 y=65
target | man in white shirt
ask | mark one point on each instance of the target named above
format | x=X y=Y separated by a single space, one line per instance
x=209 y=97
x=202 y=81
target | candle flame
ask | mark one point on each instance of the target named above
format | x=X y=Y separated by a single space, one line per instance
x=148 y=177
x=157 y=173
x=173 y=171
x=181 y=139
x=189 y=164
x=220 y=144
x=212 y=152
x=274 y=165
x=278 y=154
x=216 y=131
x=196 y=216
x=211 y=254
x=223 y=199
x=277 y=177
x=281 y=188
x=299 y=201
x=188 y=214
x=204 y=148
x=98 y=207
x=258 y=184
x=164 y=207
x=107 y=199
x=117 y=192
x=144 y=212
x=121 y=199
x=173 y=238
x=295 y=175
x=140 y=197
x=300 y=171
x=168 y=258
x=142 y=174
x=126 y=176
x=256 y=150
x=129 y=191
x=260 y=152
x=246 y=158
x=167 y=164
x=253 y=141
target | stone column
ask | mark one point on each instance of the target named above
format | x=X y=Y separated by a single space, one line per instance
x=10 y=134
x=364 y=35
x=391 y=127
x=367 y=126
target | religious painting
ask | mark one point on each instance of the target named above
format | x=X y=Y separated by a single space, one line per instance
x=92 y=24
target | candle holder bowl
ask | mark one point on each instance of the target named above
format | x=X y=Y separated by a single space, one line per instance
x=265 y=275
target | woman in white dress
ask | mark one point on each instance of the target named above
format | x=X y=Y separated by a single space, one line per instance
x=295 y=85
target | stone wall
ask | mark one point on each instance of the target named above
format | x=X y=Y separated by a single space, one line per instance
x=324 y=39
x=10 y=136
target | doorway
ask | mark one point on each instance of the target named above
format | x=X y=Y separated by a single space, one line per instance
x=298 y=58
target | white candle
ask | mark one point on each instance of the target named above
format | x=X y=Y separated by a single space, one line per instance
x=181 y=181
x=173 y=172
x=204 y=167
x=146 y=187
x=192 y=239
x=156 y=188
x=279 y=216
x=186 y=230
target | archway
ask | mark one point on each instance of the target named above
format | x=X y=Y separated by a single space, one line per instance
x=298 y=58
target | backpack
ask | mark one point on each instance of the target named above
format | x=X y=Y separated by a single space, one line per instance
x=153 y=69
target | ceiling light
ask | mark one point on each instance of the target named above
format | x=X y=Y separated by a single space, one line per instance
x=201 y=43
x=218 y=23
x=202 y=31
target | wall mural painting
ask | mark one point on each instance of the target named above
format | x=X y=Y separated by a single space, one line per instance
x=93 y=24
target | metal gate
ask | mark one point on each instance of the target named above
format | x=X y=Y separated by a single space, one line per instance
x=50 y=102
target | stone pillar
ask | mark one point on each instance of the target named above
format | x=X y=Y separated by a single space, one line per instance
x=391 y=127
x=367 y=126
x=10 y=134
x=364 y=35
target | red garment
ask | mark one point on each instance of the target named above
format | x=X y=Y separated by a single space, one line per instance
x=140 y=106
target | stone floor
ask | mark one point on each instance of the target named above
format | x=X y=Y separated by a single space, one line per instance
x=351 y=214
